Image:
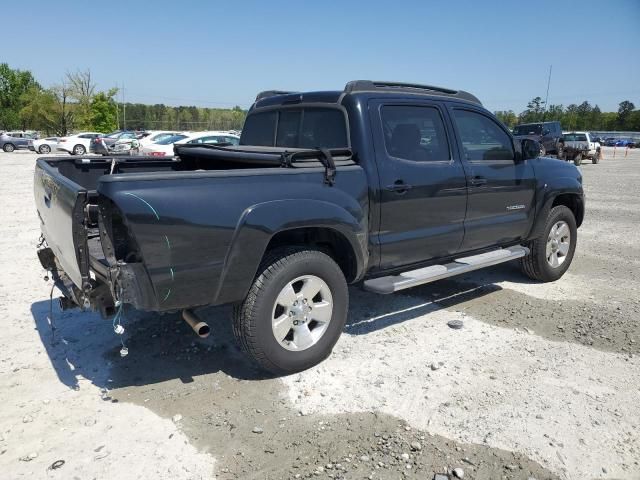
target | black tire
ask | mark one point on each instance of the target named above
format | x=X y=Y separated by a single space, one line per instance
x=44 y=149
x=9 y=147
x=252 y=319
x=577 y=160
x=535 y=265
x=596 y=157
x=543 y=151
x=79 y=150
x=560 y=151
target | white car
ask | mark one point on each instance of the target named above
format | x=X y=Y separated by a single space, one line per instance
x=77 y=144
x=165 y=147
x=153 y=136
x=44 y=145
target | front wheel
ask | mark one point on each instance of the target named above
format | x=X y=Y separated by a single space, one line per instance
x=596 y=156
x=8 y=147
x=551 y=253
x=577 y=160
x=560 y=151
x=294 y=312
x=44 y=149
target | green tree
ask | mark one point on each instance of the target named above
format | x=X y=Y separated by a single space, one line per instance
x=534 y=111
x=624 y=110
x=13 y=85
x=104 y=111
x=595 y=122
x=81 y=89
x=39 y=109
x=583 y=116
x=508 y=117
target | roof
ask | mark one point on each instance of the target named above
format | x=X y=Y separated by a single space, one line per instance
x=280 y=97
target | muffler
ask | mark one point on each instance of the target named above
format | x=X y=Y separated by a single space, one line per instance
x=201 y=328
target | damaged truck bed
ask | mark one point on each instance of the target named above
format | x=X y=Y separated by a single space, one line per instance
x=157 y=234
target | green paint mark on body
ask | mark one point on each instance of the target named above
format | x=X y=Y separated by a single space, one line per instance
x=145 y=202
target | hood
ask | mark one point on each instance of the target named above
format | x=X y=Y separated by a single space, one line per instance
x=547 y=167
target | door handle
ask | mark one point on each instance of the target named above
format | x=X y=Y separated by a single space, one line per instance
x=477 y=181
x=399 y=187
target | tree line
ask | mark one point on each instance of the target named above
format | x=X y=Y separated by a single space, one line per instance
x=576 y=117
x=75 y=104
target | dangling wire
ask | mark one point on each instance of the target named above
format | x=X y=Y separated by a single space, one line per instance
x=119 y=329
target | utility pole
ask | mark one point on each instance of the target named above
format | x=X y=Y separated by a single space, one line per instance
x=124 y=110
x=546 y=98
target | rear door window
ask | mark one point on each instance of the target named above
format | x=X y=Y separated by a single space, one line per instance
x=415 y=133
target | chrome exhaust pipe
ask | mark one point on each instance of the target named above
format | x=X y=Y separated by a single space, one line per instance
x=201 y=328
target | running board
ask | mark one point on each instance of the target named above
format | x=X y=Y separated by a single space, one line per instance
x=393 y=283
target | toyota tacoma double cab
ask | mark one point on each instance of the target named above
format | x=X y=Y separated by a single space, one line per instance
x=382 y=184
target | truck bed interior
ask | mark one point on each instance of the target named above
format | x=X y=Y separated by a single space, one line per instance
x=86 y=171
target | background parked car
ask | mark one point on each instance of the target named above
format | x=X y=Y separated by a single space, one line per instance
x=10 y=141
x=104 y=143
x=44 y=145
x=625 y=142
x=610 y=142
x=155 y=136
x=165 y=147
x=548 y=134
x=580 y=145
x=77 y=144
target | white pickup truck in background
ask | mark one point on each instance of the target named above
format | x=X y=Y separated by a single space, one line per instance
x=580 y=145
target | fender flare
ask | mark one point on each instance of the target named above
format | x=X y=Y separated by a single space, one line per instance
x=259 y=223
x=548 y=193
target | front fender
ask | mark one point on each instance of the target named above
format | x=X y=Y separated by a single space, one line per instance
x=548 y=191
x=259 y=223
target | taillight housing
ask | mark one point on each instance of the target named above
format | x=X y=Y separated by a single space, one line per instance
x=157 y=154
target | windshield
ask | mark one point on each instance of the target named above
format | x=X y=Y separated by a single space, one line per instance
x=171 y=139
x=533 y=129
x=305 y=127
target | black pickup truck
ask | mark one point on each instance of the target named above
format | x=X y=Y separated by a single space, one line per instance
x=383 y=184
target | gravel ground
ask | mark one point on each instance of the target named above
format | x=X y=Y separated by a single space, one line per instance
x=542 y=382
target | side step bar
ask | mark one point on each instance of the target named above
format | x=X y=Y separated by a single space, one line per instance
x=393 y=283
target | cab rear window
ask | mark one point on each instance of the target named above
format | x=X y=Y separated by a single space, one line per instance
x=308 y=127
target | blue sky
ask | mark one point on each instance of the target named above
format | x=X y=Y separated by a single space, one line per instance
x=220 y=54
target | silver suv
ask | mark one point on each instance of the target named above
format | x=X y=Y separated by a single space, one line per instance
x=9 y=141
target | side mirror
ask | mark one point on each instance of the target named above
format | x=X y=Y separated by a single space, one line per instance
x=530 y=148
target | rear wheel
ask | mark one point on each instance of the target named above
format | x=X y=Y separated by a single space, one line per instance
x=596 y=156
x=9 y=147
x=79 y=150
x=560 y=151
x=577 y=160
x=543 y=151
x=294 y=312
x=44 y=149
x=551 y=253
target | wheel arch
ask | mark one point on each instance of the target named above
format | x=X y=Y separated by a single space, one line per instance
x=574 y=200
x=324 y=226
